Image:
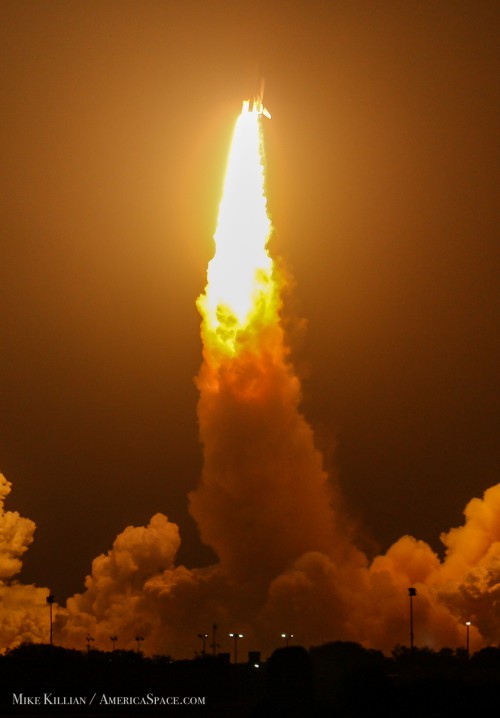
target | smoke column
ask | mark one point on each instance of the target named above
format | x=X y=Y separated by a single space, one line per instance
x=287 y=559
x=264 y=497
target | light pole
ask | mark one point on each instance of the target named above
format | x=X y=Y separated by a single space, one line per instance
x=287 y=637
x=236 y=637
x=468 y=624
x=203 y=637
x=113 y=640
x=89 y=640
x=51 y=599
x=411 y=592
x=139 y=640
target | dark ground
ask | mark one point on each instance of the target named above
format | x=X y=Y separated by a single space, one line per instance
x=341 y=680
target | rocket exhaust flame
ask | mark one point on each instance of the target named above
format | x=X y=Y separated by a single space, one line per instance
x=264 y=503
x=240 y=275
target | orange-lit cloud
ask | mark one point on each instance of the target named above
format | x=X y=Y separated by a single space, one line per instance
x=23 y=611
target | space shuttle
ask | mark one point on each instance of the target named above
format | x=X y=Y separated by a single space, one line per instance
x=257 y=103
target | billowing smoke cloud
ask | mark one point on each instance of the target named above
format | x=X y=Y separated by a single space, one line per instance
x=264 y=498
x=319 y=591
x=470 y=576
x=115 y=590
x=287 y=557
x=16 y=535
x=23 y=609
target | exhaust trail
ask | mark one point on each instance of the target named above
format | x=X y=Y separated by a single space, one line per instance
x=264 y=496
x=287 y=559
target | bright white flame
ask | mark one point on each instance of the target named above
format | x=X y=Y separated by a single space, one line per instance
x=240 y=271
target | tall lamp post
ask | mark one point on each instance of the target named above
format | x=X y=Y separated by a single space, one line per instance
x=236 y=637
x=51 y=599
x=139 y=640
x=411 y=593
x=203 y=637
x=113 y=640
x=287 y=637
x=468 y=624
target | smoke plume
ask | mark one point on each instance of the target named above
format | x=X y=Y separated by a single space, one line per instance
x=287 y=559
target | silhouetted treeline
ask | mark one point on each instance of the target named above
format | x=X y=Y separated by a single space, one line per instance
x=340 y=680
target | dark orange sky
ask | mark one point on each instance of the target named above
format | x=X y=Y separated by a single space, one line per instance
x=383 y=174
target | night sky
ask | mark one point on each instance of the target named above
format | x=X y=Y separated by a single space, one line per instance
x=116 y=119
